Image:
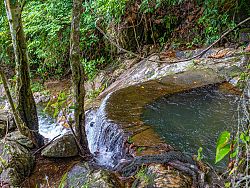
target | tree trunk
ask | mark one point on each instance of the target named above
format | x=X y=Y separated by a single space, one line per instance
x=78 y=77
x=20 y=125
x=26 y=107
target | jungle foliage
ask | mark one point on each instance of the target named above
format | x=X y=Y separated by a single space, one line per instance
x=166 y=24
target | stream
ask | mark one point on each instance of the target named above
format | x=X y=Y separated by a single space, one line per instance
x=187 y=121
x=193 y=119
x=48 y=127
x=105 y=138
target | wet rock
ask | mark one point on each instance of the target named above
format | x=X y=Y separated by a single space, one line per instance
x=41 y=98
x=20 y=139
x=215 y=59
x=6 y=120
x=232 y=74
x=82 y=174
x=245 y=35
x=2 y=91
x=159 y=175
x=16 y=161
x=64 y=146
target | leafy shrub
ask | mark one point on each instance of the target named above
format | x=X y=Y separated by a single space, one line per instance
x=36 y=87
x=47 y=27
x=91 y=67
x=6 y=50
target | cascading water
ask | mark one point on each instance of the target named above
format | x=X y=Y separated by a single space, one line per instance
x=48 y=127
x=106 y=139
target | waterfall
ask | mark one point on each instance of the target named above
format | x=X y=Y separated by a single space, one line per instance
x=105 y=138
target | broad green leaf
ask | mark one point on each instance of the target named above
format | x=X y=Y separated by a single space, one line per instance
x=222 y=152
x=223 y=139
x=223 y=146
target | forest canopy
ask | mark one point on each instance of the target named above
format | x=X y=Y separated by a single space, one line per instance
x=166 y=24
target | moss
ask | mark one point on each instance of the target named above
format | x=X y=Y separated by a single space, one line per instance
x=245 y=30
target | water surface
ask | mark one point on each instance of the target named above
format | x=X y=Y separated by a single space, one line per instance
x=193 y=119
x=48 y=127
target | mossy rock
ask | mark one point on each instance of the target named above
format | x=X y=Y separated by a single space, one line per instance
x=64 y=146
x=16 y=161
x=159 y=175
x=82 y=174
x=6 y=119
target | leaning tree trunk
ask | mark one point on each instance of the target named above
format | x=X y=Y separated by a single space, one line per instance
x=78 y=78
x=26 y=107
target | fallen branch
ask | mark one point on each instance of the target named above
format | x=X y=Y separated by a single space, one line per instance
x=159 y=61
x=44 y=146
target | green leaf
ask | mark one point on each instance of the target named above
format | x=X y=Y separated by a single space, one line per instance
x=223 y=146
x=221 y=153
x=244 y=137
x=200 y=155
x=73 y=107
x=223 y=139
x=227 y=184
x=234 y=154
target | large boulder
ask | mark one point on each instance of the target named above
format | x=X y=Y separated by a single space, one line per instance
x=6 y=120
x=64 y=146
x=81 y=175
x=160 y=175
x=16 y=161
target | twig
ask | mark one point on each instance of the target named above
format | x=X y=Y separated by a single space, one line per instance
x=44 y=146
x=7 y=128
x=127 y=27
x=81 y=154
x=175 y=61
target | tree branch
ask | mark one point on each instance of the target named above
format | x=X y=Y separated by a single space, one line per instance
x=175 y=61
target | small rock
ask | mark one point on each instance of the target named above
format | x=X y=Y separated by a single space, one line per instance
x=64 y=146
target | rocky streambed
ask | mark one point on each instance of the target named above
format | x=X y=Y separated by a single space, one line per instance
x=118 y=137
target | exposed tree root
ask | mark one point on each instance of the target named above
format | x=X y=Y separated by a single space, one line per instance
x=175 y=159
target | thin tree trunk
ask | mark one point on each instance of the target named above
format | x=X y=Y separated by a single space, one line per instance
x=26 y=107
x=78 y=77
x=20 y=125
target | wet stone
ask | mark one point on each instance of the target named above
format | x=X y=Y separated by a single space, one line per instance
x=82 y=174
x=64 y=146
